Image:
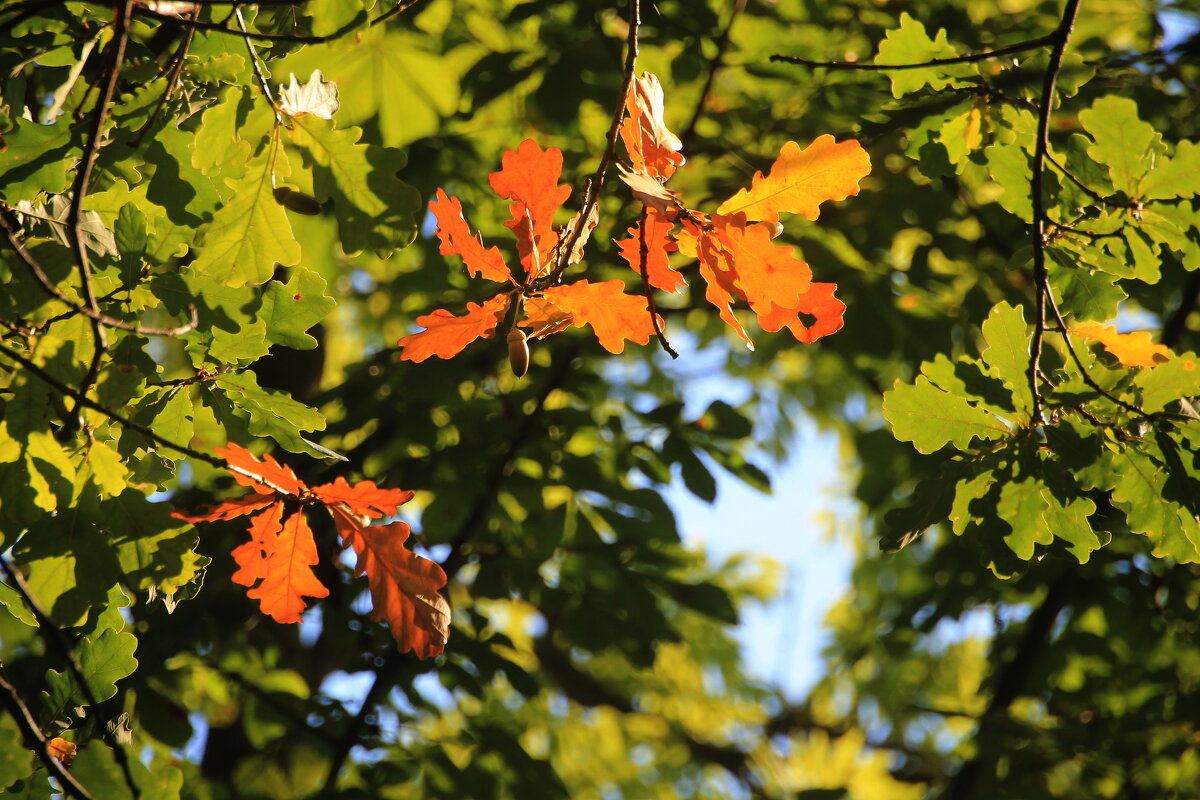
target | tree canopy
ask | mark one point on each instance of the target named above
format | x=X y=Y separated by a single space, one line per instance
x=351 y=344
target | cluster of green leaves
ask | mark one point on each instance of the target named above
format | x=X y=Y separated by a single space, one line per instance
x=592 y=653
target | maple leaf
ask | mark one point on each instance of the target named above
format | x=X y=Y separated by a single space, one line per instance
x=529 y=177
x=446 y=335
x=404 y=586
x=457 y=239
x=800 y=180
x=657 y=244
x=1132 y=349
x=653 y=149
x=613 y=315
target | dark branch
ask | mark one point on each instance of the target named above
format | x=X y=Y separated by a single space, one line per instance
x=48 y=629
x=592 y=193
x=970 y=58
x=655 y=320
x=85 y=402
x=1037 y=230
x=36 y=741
x=714 y=66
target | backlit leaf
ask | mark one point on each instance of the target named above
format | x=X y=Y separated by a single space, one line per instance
x=800 y=180
x=457 y=239
x=613 y=315
x=1132 y=349
x=529 y=177
x=445 y=335
x=930 y=418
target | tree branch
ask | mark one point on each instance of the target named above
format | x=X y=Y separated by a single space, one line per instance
x=36 y=741
x=970 y=58
x=714 y=66
x=1037 y=230
x=49 y=629
x=592 y=193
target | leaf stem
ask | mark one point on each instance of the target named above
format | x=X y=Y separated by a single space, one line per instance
x=643 y=253
x=592 y=193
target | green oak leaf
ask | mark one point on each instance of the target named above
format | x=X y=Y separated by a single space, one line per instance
x=107 y=659
x=930 y=418
x=1166 y=383
x=910 y=44
x=290 y=309
x=251 y=233
x=265 y=412
x=375 y=209
x=1083 y=293
x=1121 y=141
x=1007 y=351
x=1022 y=505
x=1137 y=490
x=36 y=160
x=1177 y=176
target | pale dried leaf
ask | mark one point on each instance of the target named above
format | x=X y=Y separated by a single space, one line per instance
x=317 y=97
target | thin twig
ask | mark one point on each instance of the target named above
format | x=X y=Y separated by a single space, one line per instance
x=1089 y=191
x=592 y=193
x=48 y=286
x=258 y=70
x=970 y=58
x=48 y=629
x=399 y=8
x=85 y=402
x=36 y=740
x=83 y=174
x=643 y=254
x=1066 y=335
x=1037 y=230
x=220 y=27
x=174 y=70
x=714 y=66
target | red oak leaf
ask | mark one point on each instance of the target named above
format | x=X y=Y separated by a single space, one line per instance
x=1133 y=349
x=404 y=586
x=800 y=180
x=529 y=177
x=613 y=315
x=457 y=239
x=656 y=246
x=445 y=335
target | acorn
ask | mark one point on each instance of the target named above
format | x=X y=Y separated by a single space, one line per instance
x=296 y=201
x=518 y=352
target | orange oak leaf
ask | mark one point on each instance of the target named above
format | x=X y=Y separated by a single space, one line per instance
x=272 y=476
x=363 y=498
x=613 y=315
x=800 y=180
x=657 y=244
x=404 y=586
x=529 y=177
x=766 y=273
x=457 y=239
x=1132 y=349
x=229 y=509
x=653 y=149
x=819 y=303
x=648 y=190
x=61 y=749
x=277 y=564
x=445 y=335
